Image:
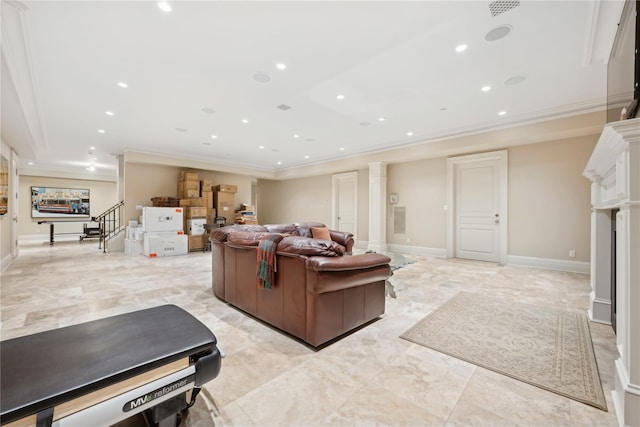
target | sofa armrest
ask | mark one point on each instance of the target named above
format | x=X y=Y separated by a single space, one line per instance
x=345 y=238
x=354 y=262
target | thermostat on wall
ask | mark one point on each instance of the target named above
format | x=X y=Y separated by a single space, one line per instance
x=393 y=198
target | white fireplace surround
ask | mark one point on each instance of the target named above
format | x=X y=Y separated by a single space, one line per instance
x=614 y=171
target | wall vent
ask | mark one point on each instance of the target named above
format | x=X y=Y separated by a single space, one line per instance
x=283 y=107
x=501 y=6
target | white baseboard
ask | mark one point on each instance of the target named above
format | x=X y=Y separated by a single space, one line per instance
x=418 y=250
x=550 y=264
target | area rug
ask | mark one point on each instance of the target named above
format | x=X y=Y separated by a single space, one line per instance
x=546 y=348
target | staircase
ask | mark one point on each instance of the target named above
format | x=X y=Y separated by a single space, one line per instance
x=111 y=224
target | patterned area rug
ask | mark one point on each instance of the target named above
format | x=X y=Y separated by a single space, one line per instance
x=546 y=348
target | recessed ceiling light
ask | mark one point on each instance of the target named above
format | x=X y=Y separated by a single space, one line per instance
x=262 y=77
x=340 y=96
x=214 y=136
x=409 y=133
x=306 y=157
x=100 y=130
x=381 y=119
x=208 y=110
x=245 y=121
x=279 y=163
x=123 y=84
x=92 y=148
x=498 y=33
x=261 y=147
x=91 y=168
x=502 y=113
x=461 y=48
x=164 y=6
x=281 y=66
x=296 y=135
x=109 y=113
x=486 y=88
x=30 y=163
x=514 y=80
x=341 y=148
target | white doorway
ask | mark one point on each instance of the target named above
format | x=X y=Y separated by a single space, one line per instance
x=345 y=202
x=477 y=207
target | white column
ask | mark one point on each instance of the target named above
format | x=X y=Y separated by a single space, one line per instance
x=378 y=206
x=120 y=182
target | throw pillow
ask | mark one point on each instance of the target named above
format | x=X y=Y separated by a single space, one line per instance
x=320 y=233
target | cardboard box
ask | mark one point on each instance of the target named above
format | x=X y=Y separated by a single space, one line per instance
x=226 y=188
x=196 y=201
x=189 y=176
x=211 y=215
x=165 y=244
x=188 y=185
x=187 y=194
x=206 y=185
x=224 y=205
x=207 y=196
x=184 y=202
x=195 y=227
x=162 y=219
x=196 y=243
x=195 y=212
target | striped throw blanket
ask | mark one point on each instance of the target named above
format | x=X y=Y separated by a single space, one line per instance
x=267 y=260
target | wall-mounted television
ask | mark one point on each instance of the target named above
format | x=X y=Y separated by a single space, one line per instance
x=51 y=202
x=623 y=67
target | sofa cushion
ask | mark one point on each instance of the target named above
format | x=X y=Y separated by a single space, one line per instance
x=310 y=247
x=246 y=238
x=282 y=228
x=354 y=262
x=320 y=233
x=304 y=228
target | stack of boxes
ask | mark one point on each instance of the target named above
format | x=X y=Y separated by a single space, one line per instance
x=223 y=199
x=163 y=233
x=194 y=220
x=246 y=214
x=202 y=203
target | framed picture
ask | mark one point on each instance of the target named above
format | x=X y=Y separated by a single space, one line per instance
x=50 y=202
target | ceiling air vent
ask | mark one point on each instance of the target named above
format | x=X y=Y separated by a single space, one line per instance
x=501 y=6
x=283 y=107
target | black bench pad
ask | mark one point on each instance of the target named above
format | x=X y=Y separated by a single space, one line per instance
x=43 y=370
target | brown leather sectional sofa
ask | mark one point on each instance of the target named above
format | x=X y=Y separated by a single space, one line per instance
x=320 y=291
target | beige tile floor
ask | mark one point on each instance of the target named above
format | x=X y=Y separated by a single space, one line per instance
x=371 y=377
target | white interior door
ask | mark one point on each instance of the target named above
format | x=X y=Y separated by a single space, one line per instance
x=345 y=202
x=479 y=207
x=14 y=184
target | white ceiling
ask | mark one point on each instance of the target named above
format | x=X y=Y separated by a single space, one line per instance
x=62 y=61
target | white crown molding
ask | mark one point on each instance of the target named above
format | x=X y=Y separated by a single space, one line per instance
x=66 y=174
x=142 y=157
x=17 y=57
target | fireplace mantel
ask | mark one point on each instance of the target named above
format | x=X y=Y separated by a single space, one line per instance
x=614 y=171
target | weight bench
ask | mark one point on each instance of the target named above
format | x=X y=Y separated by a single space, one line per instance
x=143 y=364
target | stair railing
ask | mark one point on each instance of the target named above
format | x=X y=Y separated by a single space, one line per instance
x=111 y=224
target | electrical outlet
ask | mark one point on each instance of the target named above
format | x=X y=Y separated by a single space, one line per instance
x=408 y=240
x=572 y=253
